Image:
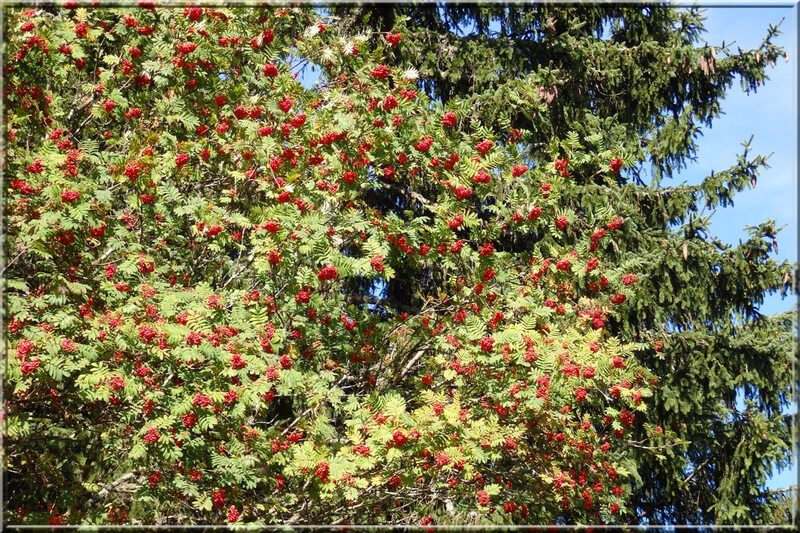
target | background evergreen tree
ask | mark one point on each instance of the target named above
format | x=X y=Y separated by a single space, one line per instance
x=638 y=75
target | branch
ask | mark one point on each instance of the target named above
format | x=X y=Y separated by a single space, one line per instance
x=237 y=272
x=696 y=470
x=664 y=447
x=80 y=108
x=363 y=299
x=414 y=359
x=102 y=493
x=398 y=190
x=12 y=261
x=296 y=420
x=103 y=257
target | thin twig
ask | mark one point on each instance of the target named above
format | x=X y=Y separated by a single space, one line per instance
x=12 y=261
x=688 y=479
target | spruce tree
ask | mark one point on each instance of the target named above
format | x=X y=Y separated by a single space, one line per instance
x=636 y=80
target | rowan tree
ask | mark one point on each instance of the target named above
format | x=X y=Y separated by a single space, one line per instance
x=196 y=242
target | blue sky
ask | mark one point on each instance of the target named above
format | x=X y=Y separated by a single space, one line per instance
x=770 y=115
